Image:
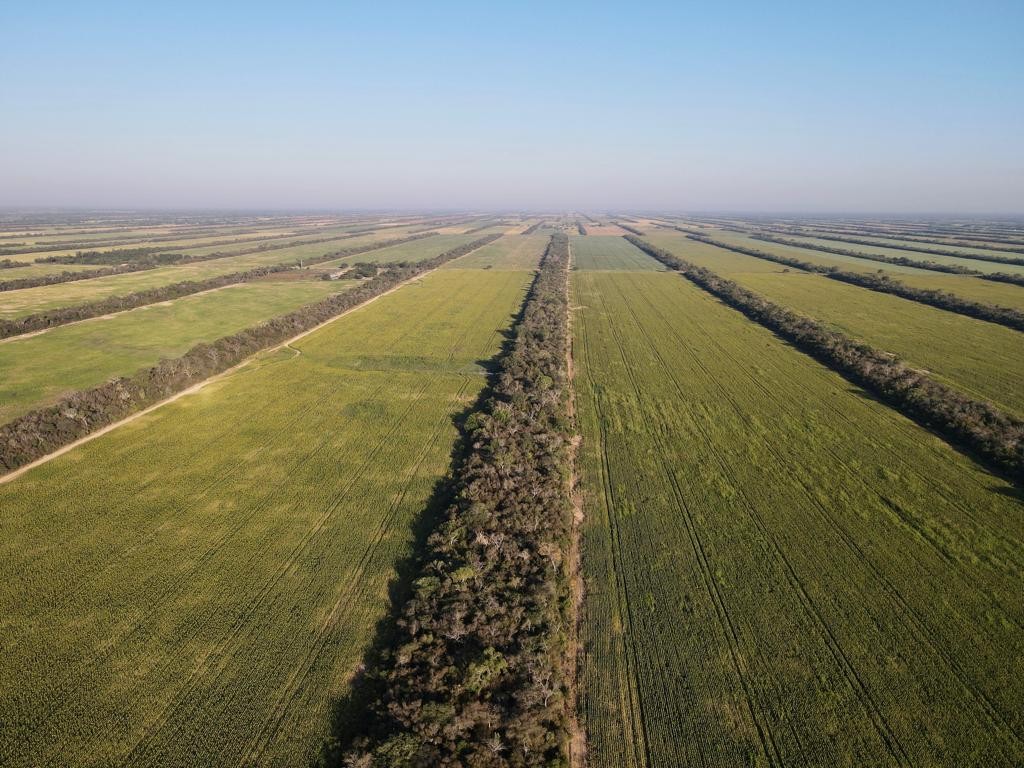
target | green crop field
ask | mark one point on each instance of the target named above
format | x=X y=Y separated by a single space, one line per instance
x=197 y=588
x=776 y=578
x=514 y=252
x=42 y=367
x=609 y=252
x=982 y=358
x=30 y=300
x=769 y=566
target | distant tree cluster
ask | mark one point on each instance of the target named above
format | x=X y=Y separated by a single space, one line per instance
x=44 y=430
x=883 y=283
x=64 y=315
x=580 y=228
x=10 y=264
x=995 y=437
x=477 y=673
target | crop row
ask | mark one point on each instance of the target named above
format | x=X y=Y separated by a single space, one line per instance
x=995 y=437
x=1011 y=318
x=62 y=316
x=477 y=674
x=43 y=430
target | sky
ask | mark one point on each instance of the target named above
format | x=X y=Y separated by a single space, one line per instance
x=869 y=107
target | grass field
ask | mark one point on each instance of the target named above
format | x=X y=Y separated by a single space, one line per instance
x=609 y=252
x=862 y=265
x=977 y=357
x=515 y=252
x=40 y=368
x=31 y=300
x=197 y=587
x=780 y=570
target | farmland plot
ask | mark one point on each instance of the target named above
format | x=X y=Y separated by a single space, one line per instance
x=221 y=562
x=32 y=300
x=607 y=252
x=780 y=570
x=977 y=357
x=37 y=369
x=514 y=252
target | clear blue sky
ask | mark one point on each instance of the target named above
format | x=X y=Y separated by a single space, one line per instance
x=894 y=106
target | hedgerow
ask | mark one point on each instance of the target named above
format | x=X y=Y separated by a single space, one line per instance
x=477 y=672
x=44 y=430
x=995 y=437
x=1011 y=318
x=64 y=315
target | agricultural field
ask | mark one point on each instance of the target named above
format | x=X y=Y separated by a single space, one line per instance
x=41 y=367
x=224 y=589
x=608 y=252
x=763 y=564
x=779 y=580
x=982 y=358
x=31 y=300
x=515 y=252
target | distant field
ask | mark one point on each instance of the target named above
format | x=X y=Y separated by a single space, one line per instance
x=862 y=265
x=974 y=356
x=38 y=369
x=608 y=252
x=228 y=555
x=30 y=300
x=780 y=571
x=510 y=252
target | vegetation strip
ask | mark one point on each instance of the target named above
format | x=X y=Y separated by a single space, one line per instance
x=900 y=247
x=934 y=266
x=993 y=436
x=44 y=430
x=1003 y=246
x=1011 y=318
x=63 y=316
x=478 y=672
x=150 y=258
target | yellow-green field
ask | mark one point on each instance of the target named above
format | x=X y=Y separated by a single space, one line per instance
x=40 y=368
x=980 y=358
x=779 y=569
x=198 y=587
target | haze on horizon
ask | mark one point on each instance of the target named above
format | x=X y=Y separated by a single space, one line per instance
x=878 y=107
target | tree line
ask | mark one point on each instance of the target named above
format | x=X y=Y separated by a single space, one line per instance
x=903 y=261
x=44 y=430
x=142 y=259
x=477 y=672
x=580 y=228
x=63 y=315
x=533 y=228
x=916 y=249
x=883 y=283
x=996 y=438
x=1001 y=244
x=632 y=230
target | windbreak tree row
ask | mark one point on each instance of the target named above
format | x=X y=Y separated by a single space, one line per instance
x=64 y=315
x=44 y=430
x=903 y=261
x=477 y=674
x=993 y=436
x=141 y=259
x=1011 y=318
x=915 y=248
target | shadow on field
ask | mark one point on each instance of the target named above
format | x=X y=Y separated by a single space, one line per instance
x=350 y=715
